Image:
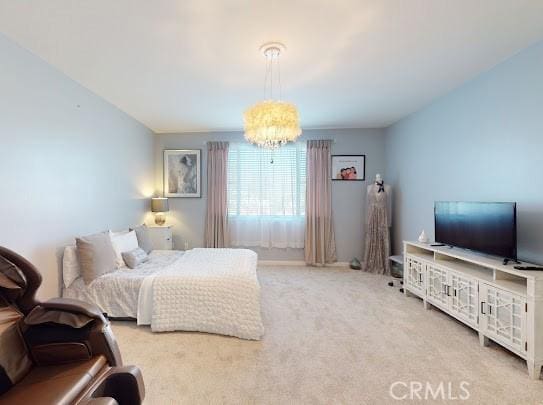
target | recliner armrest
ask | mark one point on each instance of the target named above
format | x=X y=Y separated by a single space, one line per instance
x=79 y=315
x=72 y=305
x=124 y=384
x=99 y=401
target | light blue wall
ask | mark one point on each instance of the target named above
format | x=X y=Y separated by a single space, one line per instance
x=70 y=163
x=481 y=142
x=348 y=198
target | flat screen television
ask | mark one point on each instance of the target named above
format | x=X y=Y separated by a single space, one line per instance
x=487 y=227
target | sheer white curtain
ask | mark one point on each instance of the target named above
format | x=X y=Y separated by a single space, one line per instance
x=266 y=195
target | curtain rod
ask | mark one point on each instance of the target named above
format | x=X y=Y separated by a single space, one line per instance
x=333 y=141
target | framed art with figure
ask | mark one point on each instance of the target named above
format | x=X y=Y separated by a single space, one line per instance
x=349 y=167
x=182 y=173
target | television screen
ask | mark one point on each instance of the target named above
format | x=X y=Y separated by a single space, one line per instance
x=487 y=227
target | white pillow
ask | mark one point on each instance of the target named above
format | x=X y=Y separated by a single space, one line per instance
x=123 y=242
x=70 y=266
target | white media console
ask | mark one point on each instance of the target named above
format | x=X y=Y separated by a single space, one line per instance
x=503 y=304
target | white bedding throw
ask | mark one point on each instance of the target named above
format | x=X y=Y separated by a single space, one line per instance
x=207 y=290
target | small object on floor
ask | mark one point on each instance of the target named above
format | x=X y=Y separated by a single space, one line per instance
x=391 y=284
x=396 y=266
x=396 y=269
x=355 y=264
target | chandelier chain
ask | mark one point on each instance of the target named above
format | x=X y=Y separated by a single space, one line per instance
x=272 y=80
x=271 y=77
x=266 y=79
x=279 y=79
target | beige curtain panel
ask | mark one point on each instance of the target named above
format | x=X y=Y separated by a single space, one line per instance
x=320 y=245
x=216 y=225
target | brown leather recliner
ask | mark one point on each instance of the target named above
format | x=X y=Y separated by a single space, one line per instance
x=61 y=351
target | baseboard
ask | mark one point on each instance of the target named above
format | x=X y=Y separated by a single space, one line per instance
x=296 y=263
x=281 y=263
x=339 y=264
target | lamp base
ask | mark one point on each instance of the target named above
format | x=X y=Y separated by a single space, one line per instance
x=160 y=219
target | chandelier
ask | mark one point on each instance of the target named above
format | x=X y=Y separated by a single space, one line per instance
x=272 y=122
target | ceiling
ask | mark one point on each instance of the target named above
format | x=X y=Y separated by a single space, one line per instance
x=194 y=65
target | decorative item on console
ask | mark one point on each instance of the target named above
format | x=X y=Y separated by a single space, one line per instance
x=423 y=238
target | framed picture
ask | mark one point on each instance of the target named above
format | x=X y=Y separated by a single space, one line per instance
x=349 y=167
x=182 y=173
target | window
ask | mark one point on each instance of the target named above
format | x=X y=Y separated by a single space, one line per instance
x=256 y=186
x=266 y=195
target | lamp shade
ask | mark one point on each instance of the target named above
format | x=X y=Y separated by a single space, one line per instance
x=159 y=204
x=270 y=124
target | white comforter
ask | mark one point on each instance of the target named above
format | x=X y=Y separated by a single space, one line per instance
x=117 y=293
x=206 y=290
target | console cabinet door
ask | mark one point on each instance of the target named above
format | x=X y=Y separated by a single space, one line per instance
x=464 y=297
x=503 y=317
x=437 y=286
x=415 y=275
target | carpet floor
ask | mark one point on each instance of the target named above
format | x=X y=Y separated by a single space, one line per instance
x=333 y=336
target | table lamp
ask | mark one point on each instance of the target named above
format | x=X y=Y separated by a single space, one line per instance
x=159 y=205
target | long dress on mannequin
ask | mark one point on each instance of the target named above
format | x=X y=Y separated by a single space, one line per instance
x=377 y=242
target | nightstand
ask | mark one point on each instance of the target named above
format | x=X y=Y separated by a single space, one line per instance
x=161 y=237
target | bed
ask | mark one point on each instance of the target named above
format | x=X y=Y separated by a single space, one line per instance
x=204 y=290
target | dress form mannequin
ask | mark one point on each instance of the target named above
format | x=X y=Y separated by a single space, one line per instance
x=388 y=191
x=378 y=221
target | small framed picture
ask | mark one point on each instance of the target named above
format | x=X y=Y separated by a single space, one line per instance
x=182 y=173
x=349 y=167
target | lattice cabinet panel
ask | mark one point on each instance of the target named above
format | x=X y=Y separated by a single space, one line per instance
x=501 y=302
x=504 y=316
x=464 y=297
x=437 y=285
x=415 y=274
